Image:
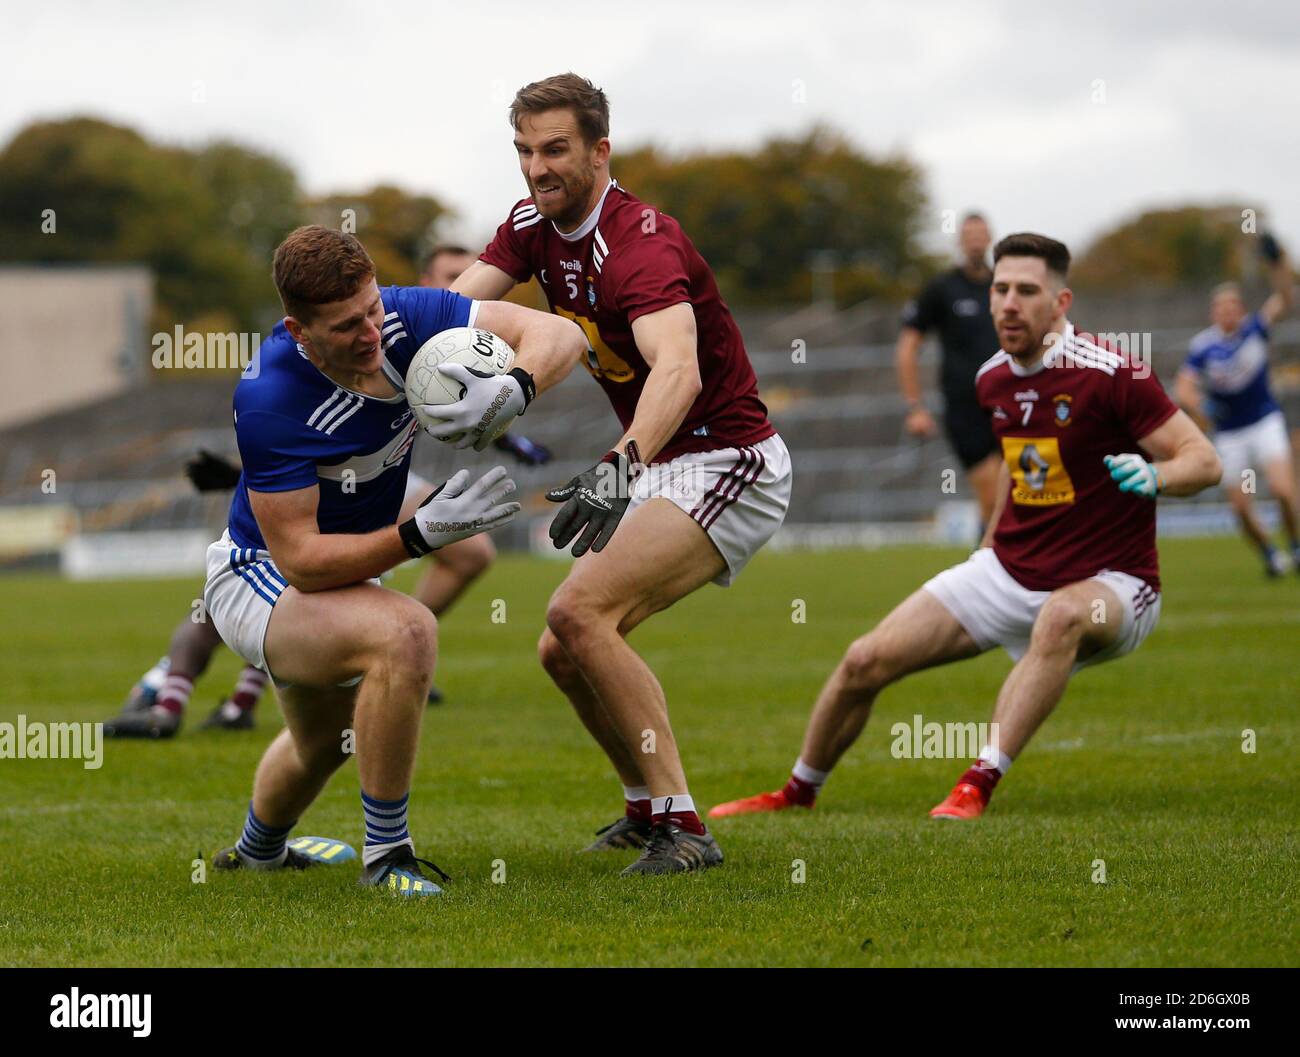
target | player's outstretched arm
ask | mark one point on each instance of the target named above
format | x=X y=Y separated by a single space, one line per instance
x=595 y=500
x=1282 y=299
x=483 y=282
x=1185 y=460
x=667 y=342
x=546 y=346
x=314 y=561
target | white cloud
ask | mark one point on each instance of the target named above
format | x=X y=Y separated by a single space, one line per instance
x=995 y=100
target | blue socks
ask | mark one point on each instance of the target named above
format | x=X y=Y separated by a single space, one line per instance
x=261 y=846
x=385 y=826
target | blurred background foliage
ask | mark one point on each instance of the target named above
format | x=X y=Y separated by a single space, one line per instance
x=795 y=219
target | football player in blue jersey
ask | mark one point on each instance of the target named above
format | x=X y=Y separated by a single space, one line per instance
x=325 y=435
x=1228 y=363
x=157 y=702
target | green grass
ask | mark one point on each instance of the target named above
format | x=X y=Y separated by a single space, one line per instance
x=1142 y=767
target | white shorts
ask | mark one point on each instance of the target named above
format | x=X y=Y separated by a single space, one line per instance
x=1252 y=447
x=242 y=588
x=738 y=495
x=997 y=611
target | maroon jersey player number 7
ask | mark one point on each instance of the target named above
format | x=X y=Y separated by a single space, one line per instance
x=1063 y=519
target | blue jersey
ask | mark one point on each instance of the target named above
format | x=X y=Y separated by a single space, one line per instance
x=1234 y=372
x=297 y=428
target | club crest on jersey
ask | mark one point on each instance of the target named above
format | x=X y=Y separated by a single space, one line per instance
x=591 y=292
x=1063 y=402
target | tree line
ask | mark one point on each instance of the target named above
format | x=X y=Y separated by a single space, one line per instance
x=773 y=222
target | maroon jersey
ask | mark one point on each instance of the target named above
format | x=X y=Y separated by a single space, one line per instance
x=625 y=261
x=1065 y=520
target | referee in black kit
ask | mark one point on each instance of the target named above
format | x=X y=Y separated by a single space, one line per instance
x=956 y=303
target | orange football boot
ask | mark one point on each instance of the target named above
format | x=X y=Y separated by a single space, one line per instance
x=751 y=805
x=965 y=801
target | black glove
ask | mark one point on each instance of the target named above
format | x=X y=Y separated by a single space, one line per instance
x=212 y=473
x=1269 y=249
x=528 y=452
x=594 y=500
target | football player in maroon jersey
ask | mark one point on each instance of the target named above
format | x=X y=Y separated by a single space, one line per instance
x=1067 y=574
x=696 y=484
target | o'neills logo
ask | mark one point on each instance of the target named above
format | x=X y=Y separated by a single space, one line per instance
x=102 y=1011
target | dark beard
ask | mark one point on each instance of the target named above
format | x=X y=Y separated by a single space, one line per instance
x=574 y=215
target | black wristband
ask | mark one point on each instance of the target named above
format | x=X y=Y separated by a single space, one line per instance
x=412 y=540
x=526 y=383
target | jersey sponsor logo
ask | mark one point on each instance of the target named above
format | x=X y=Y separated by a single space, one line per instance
x=1063 y=402
x=362 y=468
x=1038 y=472
x=602 y=361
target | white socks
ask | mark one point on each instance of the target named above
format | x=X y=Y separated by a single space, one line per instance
x=995 y=759
x=810 y=775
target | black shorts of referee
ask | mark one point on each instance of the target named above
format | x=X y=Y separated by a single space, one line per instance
x=967 y=428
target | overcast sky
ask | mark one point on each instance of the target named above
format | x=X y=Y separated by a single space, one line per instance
x=1063 y=118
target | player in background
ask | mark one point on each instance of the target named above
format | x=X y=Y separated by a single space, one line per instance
x=156 y=705
x=325 y=436
x=696 y=484
x=1228 y=361
x=1068 y=574
x=956 y=304
x=157 y=702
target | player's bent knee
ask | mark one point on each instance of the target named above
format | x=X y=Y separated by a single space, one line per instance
x=409 y=642
x=569 y=618
x=1062 y=621
x=865 y=666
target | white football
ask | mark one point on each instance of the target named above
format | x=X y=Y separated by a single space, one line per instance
x=480 y=350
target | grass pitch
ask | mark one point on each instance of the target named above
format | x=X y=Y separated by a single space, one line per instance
x=1141 y=768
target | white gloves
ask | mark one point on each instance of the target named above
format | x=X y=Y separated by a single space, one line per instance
x=454 y=512
x=490 y=403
